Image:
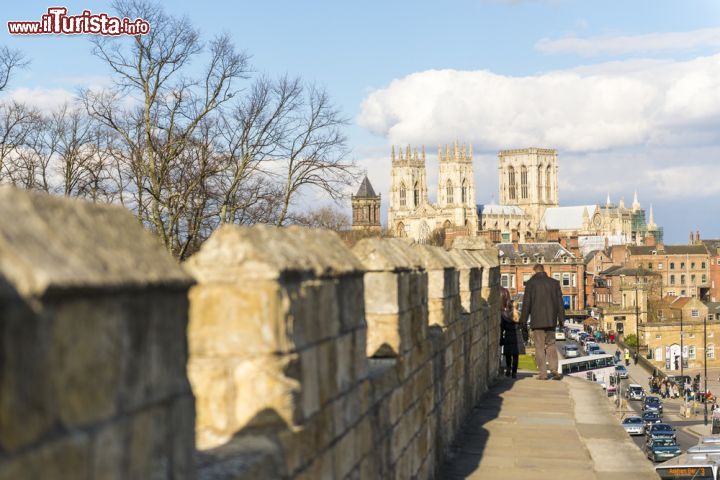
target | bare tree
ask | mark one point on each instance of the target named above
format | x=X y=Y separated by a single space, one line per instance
x=324 y=217
x=10 y=60
x=18 y=123
x=316 y=150
x=168 y=105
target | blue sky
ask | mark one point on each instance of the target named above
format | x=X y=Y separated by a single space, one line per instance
x=623 y=89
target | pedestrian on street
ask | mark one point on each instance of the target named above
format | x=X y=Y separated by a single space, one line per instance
x=543 y=304
x=511 y=338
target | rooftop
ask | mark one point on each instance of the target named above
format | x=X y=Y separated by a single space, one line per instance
x=548 y=251
x=366 y=190
x=494 y=209
x=669 y=250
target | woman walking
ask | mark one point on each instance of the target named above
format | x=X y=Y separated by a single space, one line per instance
x=511 y=338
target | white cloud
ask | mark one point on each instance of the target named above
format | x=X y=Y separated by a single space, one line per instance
x=624 y=44
x=44 y=99
x=601 y=107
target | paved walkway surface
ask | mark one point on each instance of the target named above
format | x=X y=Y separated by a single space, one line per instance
x=542 y=430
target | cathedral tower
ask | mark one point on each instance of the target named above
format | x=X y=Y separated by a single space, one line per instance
x=529 y=179
x=456 y=185
x=366 y=208
x=408 y=187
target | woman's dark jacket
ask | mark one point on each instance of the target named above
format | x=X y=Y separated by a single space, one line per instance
x=511 y=337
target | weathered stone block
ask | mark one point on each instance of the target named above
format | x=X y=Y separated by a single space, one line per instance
x=148 y=452
x=65 y=459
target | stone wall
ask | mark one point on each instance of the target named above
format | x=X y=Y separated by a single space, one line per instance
x=309 y=360
x=93 y=317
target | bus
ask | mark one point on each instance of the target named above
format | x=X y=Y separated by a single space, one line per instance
x=690 y=466
x=596 y=368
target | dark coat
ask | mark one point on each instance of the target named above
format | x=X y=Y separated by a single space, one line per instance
x=543 y=303
x=511 y=337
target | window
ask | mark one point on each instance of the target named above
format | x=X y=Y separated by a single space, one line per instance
x=556 y=276
x=657 y=336
x=449 y=192
x=649 y=265
x=711 y=351
x=464 y=191
x=683 y=293
x=524 y=181
x=540 y=175
x=682 y=265
x=504 y=280
x=682 y=279
x=574 y=280
x=692 y=265
x=703 y=265
x=704 y=278
x=660 y=266
x=691 y=335
x=566 y=280
x=694 y=313
x=511 y=183
x=403 y=194
x=691 y=352
x=417 y=194
x=672 y=279
x=658 y=354
x=526 y=260
x=672 y=265
x=526 y=277
x=547 y=183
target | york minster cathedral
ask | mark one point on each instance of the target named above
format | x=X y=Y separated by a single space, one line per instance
x=528 y=211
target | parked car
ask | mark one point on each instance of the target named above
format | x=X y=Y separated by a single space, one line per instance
x=660 y=430
x=650 y=418
x=681 y=380
x=634 y=425
x=652 y=403
x=661 y=449
x=559 y=334
x=571 y=351
x=621 y=371
x=635 y=392
x=597 y=351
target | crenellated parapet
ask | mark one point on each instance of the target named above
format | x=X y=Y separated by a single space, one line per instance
x=274 y=352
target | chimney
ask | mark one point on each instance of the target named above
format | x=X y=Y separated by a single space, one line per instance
x=691 y=237
x=697 y=236
x=607 y=243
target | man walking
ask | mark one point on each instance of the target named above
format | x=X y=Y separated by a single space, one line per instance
x=543 y=303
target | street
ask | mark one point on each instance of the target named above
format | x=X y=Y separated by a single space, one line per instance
x=671 y=407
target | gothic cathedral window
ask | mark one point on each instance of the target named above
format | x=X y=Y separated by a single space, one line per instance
x=511 y=183
x=524 y=181
x=449 y=192
x=547 y=183
x=540 y=175
x=417 y=194
x=403 y=193
x=464 y=191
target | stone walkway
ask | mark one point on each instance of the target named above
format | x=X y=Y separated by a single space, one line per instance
x=530 y=429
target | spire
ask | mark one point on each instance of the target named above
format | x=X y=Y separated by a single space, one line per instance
x=586 y=217
x=392 y=153
x=366 y=189
x=651 y=221
x=408 y=156
x=415 y=154
x=423 y=153
x=636 y=204
x=607 y=202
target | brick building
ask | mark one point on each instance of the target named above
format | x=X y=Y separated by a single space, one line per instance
x=713 y=247
x=684 y=269
x=516 y=267
x=623 y=296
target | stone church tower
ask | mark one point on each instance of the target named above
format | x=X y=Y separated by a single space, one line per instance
x=408 y=187
x=528 y=179
x=410 y=214
x=456 y=185
x=366 y=208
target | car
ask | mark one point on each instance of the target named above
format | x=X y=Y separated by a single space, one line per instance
x=681 y=380
x=559 y=334
x=597 y=351
x=661 y=449
x=634 y=425
x=571 y=351
x=652 y=403
x=660 y=430
x=650 y=418
x=574 y=334
x=621 y=371
x=635 y=392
